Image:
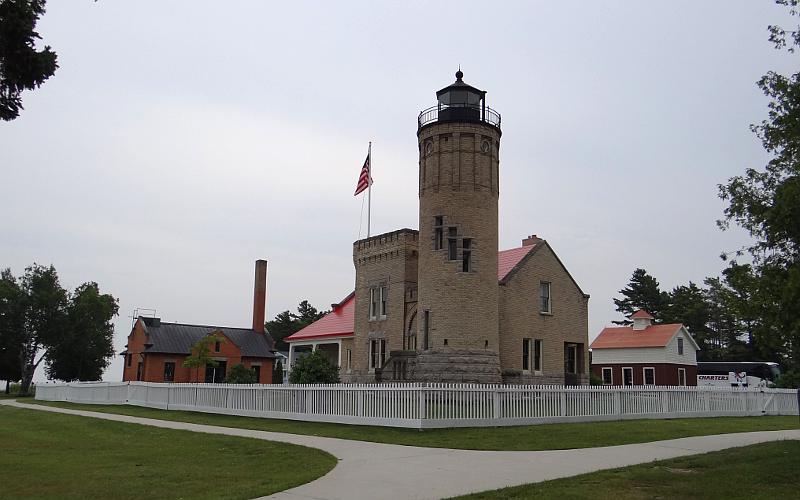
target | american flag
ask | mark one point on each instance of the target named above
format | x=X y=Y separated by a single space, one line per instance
x=365 y=178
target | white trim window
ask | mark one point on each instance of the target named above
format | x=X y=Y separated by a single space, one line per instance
x=384 y=296
x=608 y=375
x=377 y=353
x=373 y=303
x=627 y=375
x=681 y=377
x=649 y=375
x=545 y=302
x=680 y=346
x=349 y=360
x=532 y=355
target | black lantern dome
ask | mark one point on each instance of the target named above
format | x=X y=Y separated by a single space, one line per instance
x=460 y=102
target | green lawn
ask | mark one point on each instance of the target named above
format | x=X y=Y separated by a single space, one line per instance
x=531 y=437
x=48 y=455
x=767 y=470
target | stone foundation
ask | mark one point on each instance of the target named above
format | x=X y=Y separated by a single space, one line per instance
x=517 y=377
x=455 y=366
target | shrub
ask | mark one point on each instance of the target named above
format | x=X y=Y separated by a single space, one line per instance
x=240 y=374
x=314 y=369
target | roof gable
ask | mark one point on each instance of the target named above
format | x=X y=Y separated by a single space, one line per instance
x=339 y=322
x=525 y=256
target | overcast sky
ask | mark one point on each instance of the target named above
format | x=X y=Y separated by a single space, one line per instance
x=180 y=141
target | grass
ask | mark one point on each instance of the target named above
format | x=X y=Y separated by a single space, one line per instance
x=532 y=437
x=47 y=455
x=767 y=470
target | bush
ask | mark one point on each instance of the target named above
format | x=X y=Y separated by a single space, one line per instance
x=240 y=374
x=314 y=369
x=789 y=380
x=594 y=379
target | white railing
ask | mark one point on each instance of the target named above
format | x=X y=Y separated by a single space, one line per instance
x=434 y=405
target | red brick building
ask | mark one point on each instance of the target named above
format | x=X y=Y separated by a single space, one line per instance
x=645 y=354
x=156 y=350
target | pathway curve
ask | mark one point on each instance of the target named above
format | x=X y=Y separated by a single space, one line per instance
x=385 y=471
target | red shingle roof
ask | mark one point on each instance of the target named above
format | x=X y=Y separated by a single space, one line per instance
x=626 y=336
x=641 y=313
x=338 y=322
x=508 y=259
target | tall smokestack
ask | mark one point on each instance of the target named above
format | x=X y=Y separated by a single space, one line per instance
x=260 y=296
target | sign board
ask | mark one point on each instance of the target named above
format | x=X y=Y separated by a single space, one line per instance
x=735 y=379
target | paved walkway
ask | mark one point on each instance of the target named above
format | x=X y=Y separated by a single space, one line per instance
x=386 y=471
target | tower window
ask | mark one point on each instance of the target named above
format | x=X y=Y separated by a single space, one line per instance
x=377 y=353
x=452 y=243
x=466 y=255
x=438 y=232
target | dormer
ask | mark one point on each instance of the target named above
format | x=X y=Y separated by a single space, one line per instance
x=641 y=319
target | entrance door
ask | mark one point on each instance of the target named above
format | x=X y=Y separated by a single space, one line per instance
x=216 y=374
x=571 y=372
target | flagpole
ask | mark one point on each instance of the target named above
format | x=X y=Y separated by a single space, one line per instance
x=369 y=186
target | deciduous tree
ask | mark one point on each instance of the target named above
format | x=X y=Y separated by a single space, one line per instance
x=22 y=67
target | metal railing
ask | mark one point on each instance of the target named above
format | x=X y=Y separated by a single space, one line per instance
x=478 y=113
x=422 y=406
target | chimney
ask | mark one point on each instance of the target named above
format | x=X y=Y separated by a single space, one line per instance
x=531 y=240
x=260 y=296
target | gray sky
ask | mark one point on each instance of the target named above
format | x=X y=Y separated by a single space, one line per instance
x=180 y=141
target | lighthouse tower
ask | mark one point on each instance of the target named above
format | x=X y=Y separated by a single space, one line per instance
x=459 y=145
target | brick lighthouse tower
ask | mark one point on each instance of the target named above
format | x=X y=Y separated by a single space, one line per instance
x=457 y=322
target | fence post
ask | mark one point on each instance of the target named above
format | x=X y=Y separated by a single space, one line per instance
x=423 y=410
x=496 y=403
x=308 y=399
x=563 y=400
x=617 y=402
x=665 y=394
x=169 y=391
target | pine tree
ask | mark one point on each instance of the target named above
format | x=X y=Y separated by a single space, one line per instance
x=642 y=292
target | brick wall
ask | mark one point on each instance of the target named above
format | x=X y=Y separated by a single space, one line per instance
x=458 y=180
x=520 y=317
x=388 y=259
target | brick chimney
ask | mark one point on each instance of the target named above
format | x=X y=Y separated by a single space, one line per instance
x=260 y=296
x=531 y=240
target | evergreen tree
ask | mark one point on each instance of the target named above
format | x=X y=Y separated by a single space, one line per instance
x=688 y=305
x=287 y=323
x=642 y=292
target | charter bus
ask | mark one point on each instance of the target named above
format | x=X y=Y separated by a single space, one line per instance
x=737 y=373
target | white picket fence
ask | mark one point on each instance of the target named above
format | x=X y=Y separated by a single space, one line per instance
x=423 y=406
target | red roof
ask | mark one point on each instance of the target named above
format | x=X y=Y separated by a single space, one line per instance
x=626 y=336
x=339 y=322
x=508 y=259
x=641 y=314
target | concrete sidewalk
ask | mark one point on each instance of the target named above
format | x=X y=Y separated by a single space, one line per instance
x=384 y=471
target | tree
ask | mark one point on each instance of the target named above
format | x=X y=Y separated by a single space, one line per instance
x=22 y=67
x=287 y=323
x=240 y=374
x=642 y=292
x=766 y=203
x=44 y=315
x=314 y=368
x=87 y=345
x=11 y=328
x=277 y=372
x=688 y=304
x=201 y=353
